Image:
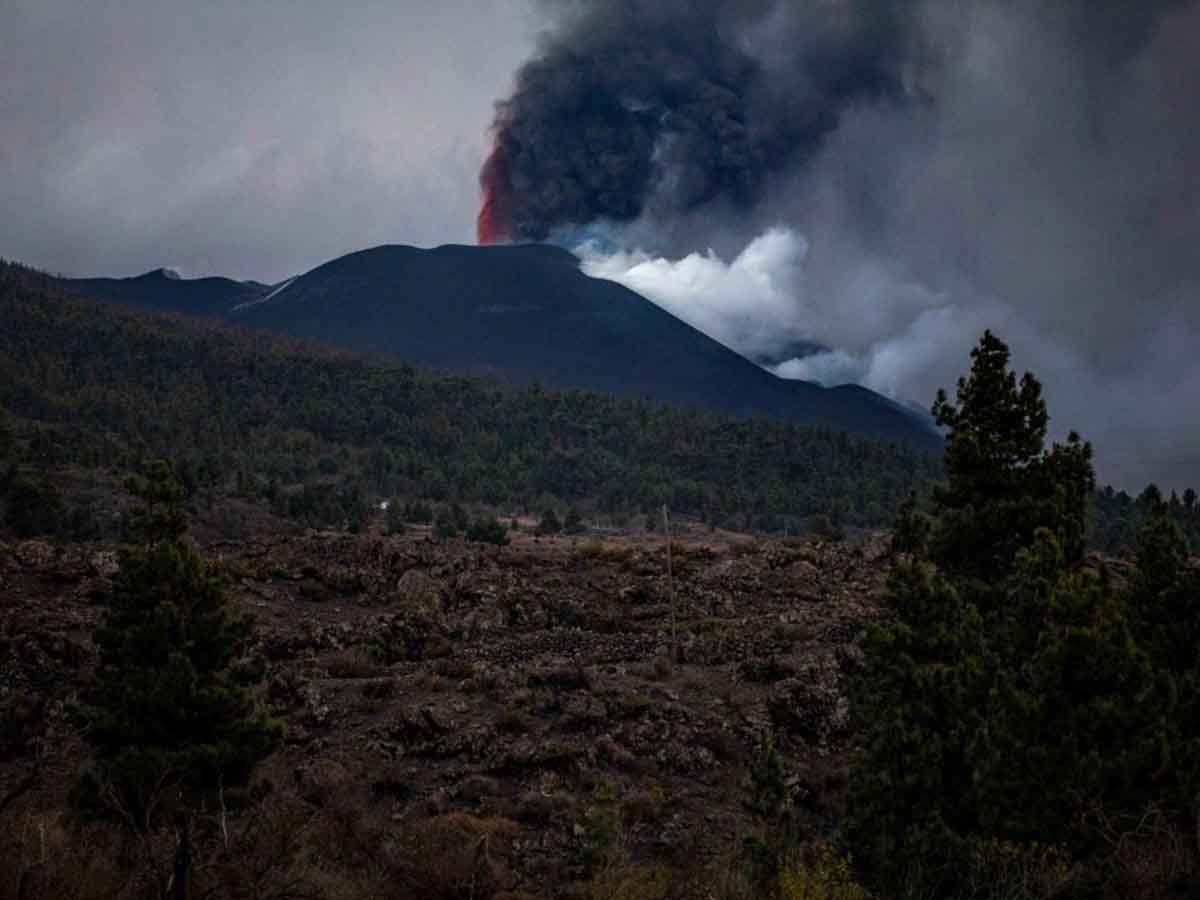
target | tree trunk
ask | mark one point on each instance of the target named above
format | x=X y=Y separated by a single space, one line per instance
x=183 y=862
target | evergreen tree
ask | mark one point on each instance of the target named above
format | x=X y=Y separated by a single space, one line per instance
x=488 y=530
x=34 y=506
x=418 y=513
x=573 y=524
x=985 y=722
x=769 y=802
x=917 y=701
x=444 y=524
x=910 y=533
x=1164 y=603
x=6 y=441
x=1076 y=718
x=1000 y=484
x=549 y=523
x=172 y=707
x=459 y=516
x=397 y=515
x=8 y=467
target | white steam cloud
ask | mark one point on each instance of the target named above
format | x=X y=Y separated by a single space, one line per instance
x=751 y=304
x=859 y=321
x=869 y=328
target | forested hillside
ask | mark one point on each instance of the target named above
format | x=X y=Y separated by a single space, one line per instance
x=323 y=436
x=1117 y=516
x=523 y=314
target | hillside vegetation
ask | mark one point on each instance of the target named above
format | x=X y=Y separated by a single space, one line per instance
x=973 y=706
x=1028 y=722
x=323 y=436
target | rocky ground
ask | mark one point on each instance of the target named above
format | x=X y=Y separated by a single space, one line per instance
x=477 y=721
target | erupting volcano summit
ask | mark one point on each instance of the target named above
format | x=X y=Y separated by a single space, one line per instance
x=650 y=111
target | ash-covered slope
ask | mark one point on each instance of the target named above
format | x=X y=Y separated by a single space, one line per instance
x=524 y=314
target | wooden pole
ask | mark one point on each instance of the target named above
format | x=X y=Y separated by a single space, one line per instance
x=670 y=583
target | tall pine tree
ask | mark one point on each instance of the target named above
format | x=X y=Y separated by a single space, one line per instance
x=1007 y=698
x=1001 y=485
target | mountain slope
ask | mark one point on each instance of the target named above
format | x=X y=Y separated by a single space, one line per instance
x=164 y=291
x=524 y=314
x=321 y=436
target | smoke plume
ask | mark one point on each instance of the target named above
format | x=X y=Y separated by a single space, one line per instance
x=877 y=182
x=658 y=107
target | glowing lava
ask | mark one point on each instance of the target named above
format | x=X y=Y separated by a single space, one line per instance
x=494 y=225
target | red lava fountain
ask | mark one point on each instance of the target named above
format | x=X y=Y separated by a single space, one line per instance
x=494 y=225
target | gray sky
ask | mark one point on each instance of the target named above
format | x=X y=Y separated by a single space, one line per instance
x=1049 y=190
x=250 y=138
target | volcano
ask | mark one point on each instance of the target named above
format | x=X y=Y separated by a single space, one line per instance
x=523 y=313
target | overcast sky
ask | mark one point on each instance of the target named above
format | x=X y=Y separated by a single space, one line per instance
x=1049 y=191
x=250 y=138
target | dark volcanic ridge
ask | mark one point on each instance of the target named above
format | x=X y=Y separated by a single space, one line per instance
x=525 y=314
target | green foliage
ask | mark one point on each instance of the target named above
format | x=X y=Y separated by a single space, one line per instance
x=396 y=518
x=823 y=874
x=910 y=533
x=917 y=701
x=1164 y=605
x=1001 y=486
x=825 y=527
x=769 y=801
x=549 y=523
x=573 y=523
x=170 y=706
x=323 y=437
x=445 y=525
x=488 y=530
x=1016 y=698
x=1117 y=518
x=6 y=441
x=1076 y=718
x=418 y=513
x=33 y=506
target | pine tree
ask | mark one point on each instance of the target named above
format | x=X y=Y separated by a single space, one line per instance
x=172 y=710
x=910 y=533
x=917 y=702
x=444 y=524
x=34 y=506
x=549 y=523
x=981 y=719
x=1076 y=718
x=1001 y=486
x=397 y=516
x=6 y=441
x=573 y=524
x=769 y=801
x=1164 y=603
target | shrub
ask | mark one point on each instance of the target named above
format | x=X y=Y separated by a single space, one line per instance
x=549 y=523
x=819 y=874
x=488 y=530
x=574 y=522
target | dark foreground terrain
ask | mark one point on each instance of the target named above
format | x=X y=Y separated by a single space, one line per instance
x=465 y=721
